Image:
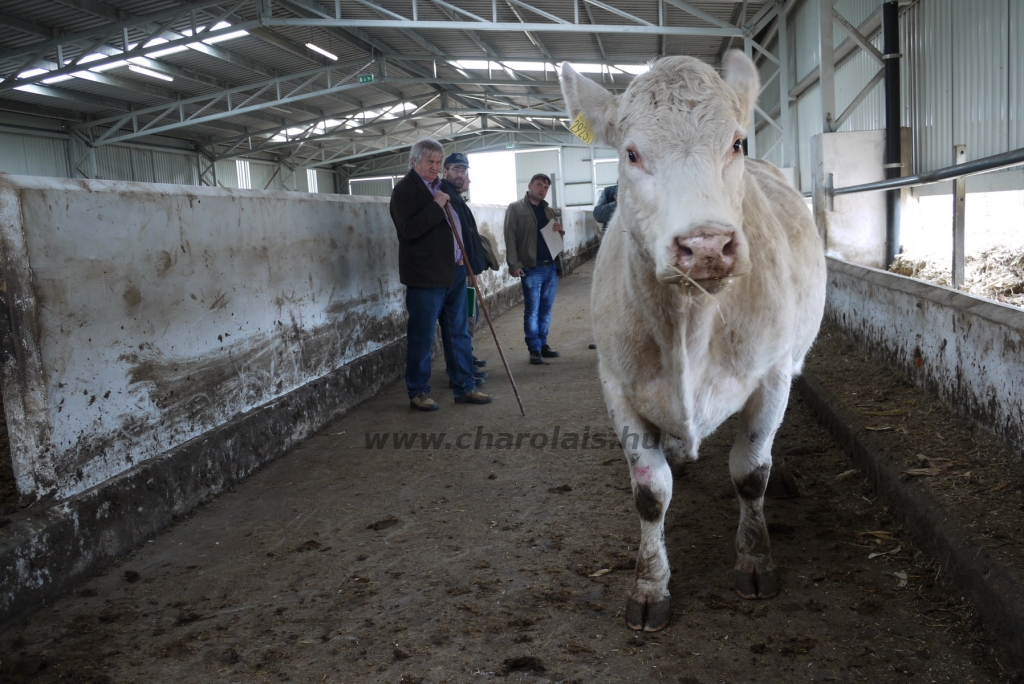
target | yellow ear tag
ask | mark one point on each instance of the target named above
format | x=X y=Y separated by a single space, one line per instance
x=581 y=129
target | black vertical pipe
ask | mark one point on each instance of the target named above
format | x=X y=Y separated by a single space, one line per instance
x=893 y=145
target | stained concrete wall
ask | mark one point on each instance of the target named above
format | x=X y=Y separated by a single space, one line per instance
x=965 y=349
x=142 y=316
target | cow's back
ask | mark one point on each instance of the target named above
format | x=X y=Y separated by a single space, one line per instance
x=804 y=251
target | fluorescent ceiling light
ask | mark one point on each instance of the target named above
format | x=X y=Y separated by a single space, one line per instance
x=147 y=72
x=325 y=53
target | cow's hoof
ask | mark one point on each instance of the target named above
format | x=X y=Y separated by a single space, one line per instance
x=648 y=617
x=757 y=585
x=781 y=485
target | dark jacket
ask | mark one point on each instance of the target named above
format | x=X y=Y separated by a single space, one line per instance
x=426 y=246
x=470 y=234
x=605 y=208
x=522 y=233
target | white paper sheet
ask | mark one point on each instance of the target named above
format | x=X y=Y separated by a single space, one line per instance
x=553 y=239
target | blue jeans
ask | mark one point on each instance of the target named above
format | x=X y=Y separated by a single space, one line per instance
x=428 y=306
x=540 y=284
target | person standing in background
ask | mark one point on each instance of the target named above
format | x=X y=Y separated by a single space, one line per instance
x=530 y=259
x=606 y=206
x=431 y=266
x=454 y=183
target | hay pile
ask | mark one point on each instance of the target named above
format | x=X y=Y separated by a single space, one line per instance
x=996 y=273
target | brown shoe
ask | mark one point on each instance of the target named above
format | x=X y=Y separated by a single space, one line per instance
x=474 y=397
x=423 y=402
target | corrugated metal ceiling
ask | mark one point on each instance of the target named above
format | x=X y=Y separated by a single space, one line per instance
x=280 y=51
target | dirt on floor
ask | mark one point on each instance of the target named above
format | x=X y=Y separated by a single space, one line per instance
x=969 y=470
x=352 y=559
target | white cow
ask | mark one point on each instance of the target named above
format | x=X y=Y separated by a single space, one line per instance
x=708 y=292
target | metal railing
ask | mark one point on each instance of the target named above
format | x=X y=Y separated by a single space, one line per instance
x=957 y=173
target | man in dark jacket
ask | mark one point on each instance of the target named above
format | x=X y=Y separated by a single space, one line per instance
x=455 y=182
x=431 y=266
x=605 y=208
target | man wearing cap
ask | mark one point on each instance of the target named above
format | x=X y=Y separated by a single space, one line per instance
x=530 y=259
x=455 y=182
x=431 y=266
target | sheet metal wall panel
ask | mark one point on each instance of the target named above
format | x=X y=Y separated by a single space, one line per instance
x=855 y=11
x=142 y=169
x=579 y=195
x=851 y=77
x=576 y=164
x=1016 y=75
x=31 y=155
x=227 y=174
x=607 y=173
x=980 y=77
x=30 y=121
x=913 y=77
x=803 y=32
x=529 y=163
x=324 y=181
x=930 y=55
x=172 y=167
x=809 y=118
x=266 y=176
x=380 y=187
x=113 y=163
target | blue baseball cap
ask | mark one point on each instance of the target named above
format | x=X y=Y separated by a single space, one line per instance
x=456 y=159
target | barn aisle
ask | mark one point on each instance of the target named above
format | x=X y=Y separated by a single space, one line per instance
x=352 y=561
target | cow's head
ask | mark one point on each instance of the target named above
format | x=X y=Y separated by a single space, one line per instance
x=679 y=130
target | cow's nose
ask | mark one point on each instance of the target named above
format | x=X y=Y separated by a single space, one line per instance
x=706 y=253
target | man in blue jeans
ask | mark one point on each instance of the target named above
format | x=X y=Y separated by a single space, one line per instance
x=432 y=268
x=530 y=259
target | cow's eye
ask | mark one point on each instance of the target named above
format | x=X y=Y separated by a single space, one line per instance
x=737 y=145
x=634 y=156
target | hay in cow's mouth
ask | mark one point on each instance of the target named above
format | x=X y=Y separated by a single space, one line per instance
x=691 y=283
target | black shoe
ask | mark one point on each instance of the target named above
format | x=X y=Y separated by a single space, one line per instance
x=479 y=363
x=537 y=359
x=548 y=353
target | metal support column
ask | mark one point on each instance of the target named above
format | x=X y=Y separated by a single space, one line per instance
x=788 y=158
x=748 y=50
x=893 y=147
x=827 y=66
x=959 y=212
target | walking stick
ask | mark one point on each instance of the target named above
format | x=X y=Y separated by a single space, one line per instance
x=480 y=303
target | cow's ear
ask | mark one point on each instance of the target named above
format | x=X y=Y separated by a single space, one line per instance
x=741 y=74
x=597 y=105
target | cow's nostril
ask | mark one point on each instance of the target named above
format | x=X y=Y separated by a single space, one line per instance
x=683 y=249
x=729 y=249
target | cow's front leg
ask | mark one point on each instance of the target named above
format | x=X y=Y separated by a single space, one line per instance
x=648 y=607
x=750 y=464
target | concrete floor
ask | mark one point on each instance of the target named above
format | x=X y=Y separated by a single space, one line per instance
x=342 y=562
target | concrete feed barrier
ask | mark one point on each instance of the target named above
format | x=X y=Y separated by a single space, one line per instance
x=144 y=315
x=159 y=343
x=965 y=349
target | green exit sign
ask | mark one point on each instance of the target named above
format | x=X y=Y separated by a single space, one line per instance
x=366 y=78
x=510 y=145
